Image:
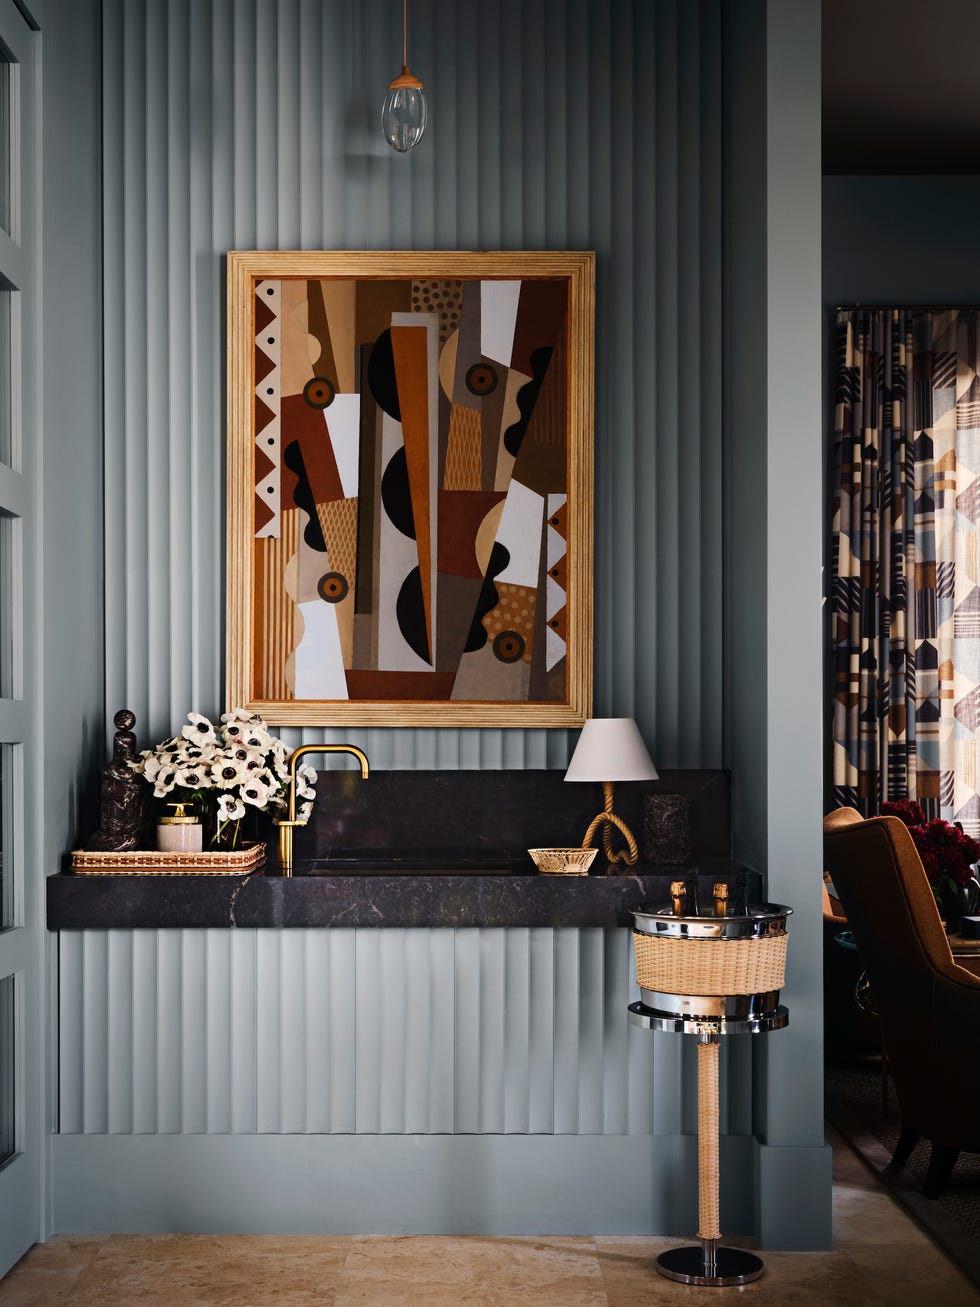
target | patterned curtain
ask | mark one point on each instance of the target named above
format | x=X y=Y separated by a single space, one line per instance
x=906 y=581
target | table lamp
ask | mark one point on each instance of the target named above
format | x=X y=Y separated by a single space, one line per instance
x=611 y=749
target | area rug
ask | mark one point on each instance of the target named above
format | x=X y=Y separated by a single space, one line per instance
x=854 y=1106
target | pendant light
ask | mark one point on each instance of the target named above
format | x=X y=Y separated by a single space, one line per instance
x=403 y=116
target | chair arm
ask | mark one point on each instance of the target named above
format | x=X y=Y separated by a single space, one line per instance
x=970 y=965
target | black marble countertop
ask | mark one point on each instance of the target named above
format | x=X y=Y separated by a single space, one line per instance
x=320 y=895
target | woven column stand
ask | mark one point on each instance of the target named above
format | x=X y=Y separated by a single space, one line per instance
x=709 y=1220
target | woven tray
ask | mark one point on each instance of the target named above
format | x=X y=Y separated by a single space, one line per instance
x=140 y=862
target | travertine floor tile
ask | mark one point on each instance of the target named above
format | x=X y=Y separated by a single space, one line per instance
x=631 y=1277
x=473 y=1270
x=212 y=1270
x=863 y=1217
x=65 y=1252
x=848 y=1168
x=27 y=1286
x=912 y=1274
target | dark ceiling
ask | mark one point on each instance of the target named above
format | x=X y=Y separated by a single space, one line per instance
x=901 y=86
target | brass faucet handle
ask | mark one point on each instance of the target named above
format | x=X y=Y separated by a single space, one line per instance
x=720 y=892
x=678 y=895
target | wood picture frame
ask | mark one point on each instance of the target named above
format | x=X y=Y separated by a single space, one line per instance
x=410 y=487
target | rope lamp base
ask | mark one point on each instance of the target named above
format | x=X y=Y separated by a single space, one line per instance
x=607 y=819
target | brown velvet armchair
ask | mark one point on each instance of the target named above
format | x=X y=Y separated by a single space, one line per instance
x=929 y=1007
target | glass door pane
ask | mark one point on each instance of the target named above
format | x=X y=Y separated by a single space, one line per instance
x=7 y=310
x=6 y=879
x=8 y=1071
x=8 y=527
x=8 y=76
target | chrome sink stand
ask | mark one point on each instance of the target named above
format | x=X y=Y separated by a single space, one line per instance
x=708 y=1263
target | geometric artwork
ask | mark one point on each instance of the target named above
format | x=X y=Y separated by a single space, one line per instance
x=905 y=562
x=410 y=460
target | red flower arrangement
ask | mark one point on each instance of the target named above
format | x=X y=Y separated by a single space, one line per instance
x=946 y=852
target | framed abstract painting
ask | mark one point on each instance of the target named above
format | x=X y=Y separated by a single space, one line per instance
x=410 y=487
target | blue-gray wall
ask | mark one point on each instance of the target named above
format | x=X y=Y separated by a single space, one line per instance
x=624 y=127
x=773 y=388
x=72 y=506
x=553 y=125
x=72 y=665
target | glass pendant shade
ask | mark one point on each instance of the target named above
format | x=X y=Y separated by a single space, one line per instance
x=404 y=114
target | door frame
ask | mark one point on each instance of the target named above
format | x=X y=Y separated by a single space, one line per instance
x=22 y=943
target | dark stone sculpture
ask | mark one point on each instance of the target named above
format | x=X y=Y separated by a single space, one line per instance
x=123 y=806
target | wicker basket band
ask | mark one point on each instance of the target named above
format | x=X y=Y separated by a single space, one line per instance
x=710 y=966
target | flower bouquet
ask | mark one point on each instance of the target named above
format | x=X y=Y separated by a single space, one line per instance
x=226 y=771
x=947 y=853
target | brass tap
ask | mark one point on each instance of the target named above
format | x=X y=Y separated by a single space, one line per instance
x=287 y=824
x=678 y=894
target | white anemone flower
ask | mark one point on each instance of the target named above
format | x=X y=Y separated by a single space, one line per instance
x=237 y=715
x=199 y=729
x=306 y=782
x=226 y=773
x=192 y=777
x=304 y=810
x=249 y=759
x=256 y=790
x=166 y=779
x=150 y=765
x=201 y=753
x=230 y=808
x=233 y=731
x=256 y=737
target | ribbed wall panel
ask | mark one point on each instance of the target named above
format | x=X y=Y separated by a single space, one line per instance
x=554 y=124
x=365 y=1032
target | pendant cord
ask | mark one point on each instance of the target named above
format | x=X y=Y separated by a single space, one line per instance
x=405 y=33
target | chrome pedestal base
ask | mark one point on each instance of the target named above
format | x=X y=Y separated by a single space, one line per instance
x=648 y=1018
x=710 y=1265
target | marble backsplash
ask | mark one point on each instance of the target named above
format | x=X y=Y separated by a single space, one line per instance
x=496 y=815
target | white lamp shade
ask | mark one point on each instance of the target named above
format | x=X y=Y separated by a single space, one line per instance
x=611 y=749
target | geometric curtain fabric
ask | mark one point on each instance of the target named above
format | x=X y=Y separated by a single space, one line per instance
x=905 y=572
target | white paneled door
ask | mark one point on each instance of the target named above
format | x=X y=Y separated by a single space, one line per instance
x=20 y=877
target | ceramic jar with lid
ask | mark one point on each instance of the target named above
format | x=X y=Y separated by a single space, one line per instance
x=181 y=832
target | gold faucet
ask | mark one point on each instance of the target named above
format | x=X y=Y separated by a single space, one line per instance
x=287 y=825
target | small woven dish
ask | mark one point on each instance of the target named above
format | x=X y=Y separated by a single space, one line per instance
x=563 y=862
x=149 y=862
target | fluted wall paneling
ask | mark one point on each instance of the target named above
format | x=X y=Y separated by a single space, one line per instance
x=554 y=124
x=343 y=1031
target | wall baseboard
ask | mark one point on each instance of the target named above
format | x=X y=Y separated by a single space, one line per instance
x=405 y=1184
x=793 y=1197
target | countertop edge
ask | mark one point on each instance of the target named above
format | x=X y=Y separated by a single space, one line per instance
x=364 y=900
